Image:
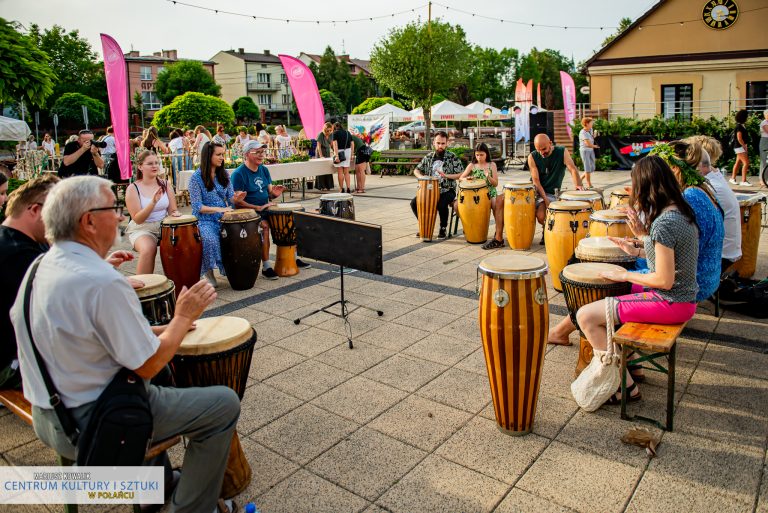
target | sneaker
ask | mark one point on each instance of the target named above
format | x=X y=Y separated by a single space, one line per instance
x=301 y=264
x=732 y=181
x=269 y=274
x=441 y=235
x=745 y=184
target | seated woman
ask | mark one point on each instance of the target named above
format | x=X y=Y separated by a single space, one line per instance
x=149 y=200
x=483 y=168
x=667 y=293
x=211 y=194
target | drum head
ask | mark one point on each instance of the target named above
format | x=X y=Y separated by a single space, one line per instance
x=601 y=249
x=569 y=206
x=239 y=215
x=513 y=267
x=620 y=193
x=426 y=179
x=336 y=196
x=182 y=219
x=580 y=196
x=286 y=207
x=519 y=185
x=215 y=335
x=589 y=272
x=153 y=284
x=747 y=200
x=610 y=215
x=468 y=183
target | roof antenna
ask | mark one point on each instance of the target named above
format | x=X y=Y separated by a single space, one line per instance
x=343 y=49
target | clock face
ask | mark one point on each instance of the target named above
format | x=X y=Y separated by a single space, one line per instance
x=720 y=14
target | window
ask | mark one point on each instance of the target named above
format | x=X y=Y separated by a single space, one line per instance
x=757 y=96
x=286 y=99
x=283 y=78
x=150 y=100
x=146 y=73
x=677 y=101
x=263 y=78
x=160 y=69
x=265 y=99
x=263 y=65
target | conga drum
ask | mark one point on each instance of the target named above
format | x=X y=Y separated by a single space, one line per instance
x=582 y=284
x=519 y=213
x=751 y=216
x=566 y=224
x=241 y=247
x=219 y=352
x=605 y=223
x=619 y=198
x=594 y=198
x=283 y=230
x=338 y=204
x=601 y=249
x=474 y=210
x=514 y=324
x=158 y=302
x=181 y=250
x=427 y=196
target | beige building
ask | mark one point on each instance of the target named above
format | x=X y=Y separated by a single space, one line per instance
x=258 y=75
x=356 y=66
x=685 y=58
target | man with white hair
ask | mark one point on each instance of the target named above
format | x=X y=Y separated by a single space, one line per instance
x=87 y=324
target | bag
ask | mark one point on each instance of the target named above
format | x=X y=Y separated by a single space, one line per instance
x=366 y=151
x=600 y=379
x=341 y=156
x=747 y=297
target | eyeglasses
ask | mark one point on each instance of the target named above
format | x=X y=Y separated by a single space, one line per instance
x=117 y=208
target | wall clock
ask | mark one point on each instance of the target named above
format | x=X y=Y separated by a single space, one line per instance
x=720 y=14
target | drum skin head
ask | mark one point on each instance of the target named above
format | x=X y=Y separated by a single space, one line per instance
x=182 y=219
x=286 y=207
x=336 y=196
x=512 y=265
x=589 y=272
x=747 y=200
x=519 y=184
x=569 y=206
x=426 y=179
x=620 y=193
x=472 y=184
x=153 y=284
x=580 y=196
x=215 y=335
x=238 y=215
x=610 y=215
x=601 y=248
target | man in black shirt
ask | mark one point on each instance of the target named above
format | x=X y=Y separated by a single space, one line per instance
x=22 y=239
x=81 y=157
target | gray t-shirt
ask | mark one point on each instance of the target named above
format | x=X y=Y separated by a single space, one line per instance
x=673 y=230
x=585 y=135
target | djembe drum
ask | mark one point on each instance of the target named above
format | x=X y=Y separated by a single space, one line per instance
x=566 y=224
x=582 y=285
x=619 y=198
x=219 y=352
x=514 y=324
x=427 y=196
x=158 y=302
x=519 y=213
x=474 y=210
x=338 y=204
x=751 y=216
x=594 y=198
x=281 y=225
x=181 y=250
x=240 y=238
x=602 y=250
x=605 y=223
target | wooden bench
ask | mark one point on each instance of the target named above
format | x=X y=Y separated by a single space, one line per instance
x=393 y=158
x=650 y=342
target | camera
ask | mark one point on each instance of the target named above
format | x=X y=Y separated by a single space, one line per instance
x=99 y=144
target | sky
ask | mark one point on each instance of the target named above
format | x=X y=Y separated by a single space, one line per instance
x=152 y=25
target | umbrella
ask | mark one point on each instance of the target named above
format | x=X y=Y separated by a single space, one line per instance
x=13 y=129
x=396 y=114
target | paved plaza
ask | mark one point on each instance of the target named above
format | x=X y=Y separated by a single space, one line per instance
x=403 y=422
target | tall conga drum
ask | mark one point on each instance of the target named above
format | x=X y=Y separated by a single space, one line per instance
x=157 y=298
x=566 y=224
x=181 y=250
x=619 y=198
x=582 y=284
x=219 y=352
x=609 y=223
x=474 y=210
x=751 y=218
x=601 y=249
x=514 y=324
x=427 y=197
x=338 y=204
x=283 y=230
x=519 y=213
x=594 y=198
x=241 y=247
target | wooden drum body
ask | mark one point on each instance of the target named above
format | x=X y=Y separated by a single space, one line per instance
x=427 y=196
x=609 y=223
x=181 y=250
x=601 y=249
x=514 y=324
x=619 y=198
x=566 y=224
x=338 y=205
x=281 y=225
x=594 y=198
x=519 y=214
x=241 y=247
x=158 y=301
x=219 y=352
x=474 y=210
x=751 y=217
x=582 y=285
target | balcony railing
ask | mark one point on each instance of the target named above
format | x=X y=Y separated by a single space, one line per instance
x=262 y=86
x=273 y=106
x=681 y=109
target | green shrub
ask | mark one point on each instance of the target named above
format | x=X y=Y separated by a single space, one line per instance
x=374 y=103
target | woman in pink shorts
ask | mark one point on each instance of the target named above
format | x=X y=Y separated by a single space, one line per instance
x=667 y=293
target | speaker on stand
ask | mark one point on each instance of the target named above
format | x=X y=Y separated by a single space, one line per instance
x=542 y=122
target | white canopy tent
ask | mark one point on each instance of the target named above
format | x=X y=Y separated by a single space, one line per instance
x=13 y=129
x=395 y=113
x=446 y=110
x=485 y=111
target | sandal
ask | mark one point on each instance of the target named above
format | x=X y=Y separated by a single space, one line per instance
x=493 y=244
x=635 y=370
x=614 y=400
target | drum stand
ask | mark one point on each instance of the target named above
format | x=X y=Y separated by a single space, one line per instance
x=345 y=311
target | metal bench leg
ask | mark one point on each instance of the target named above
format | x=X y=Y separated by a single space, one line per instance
x=623 y=372
x=671 y=388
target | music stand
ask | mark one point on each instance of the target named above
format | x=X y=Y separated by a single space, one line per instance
x=344 y=243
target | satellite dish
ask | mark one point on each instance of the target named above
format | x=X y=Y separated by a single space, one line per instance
x=487 y=100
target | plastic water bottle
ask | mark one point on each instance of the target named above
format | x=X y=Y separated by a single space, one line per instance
x=251 y=508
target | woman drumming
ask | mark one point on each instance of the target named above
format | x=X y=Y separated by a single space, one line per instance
x=482 y=168
x=211 y=194
x=148 y=200
x=667 y=293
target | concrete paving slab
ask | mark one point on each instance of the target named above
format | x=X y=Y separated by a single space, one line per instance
x=262 y=404
x=425 y=318
x=357 y=360
x=459 y=389
x=728 y=360
x=276 y=328
x=475 y=363
x=16 y=433
x=520 y=501
x=405 y=372
x=726 y=386
x=441 y=349
x=305 y=492
x=393 y=336
x=464 y=328
x=311 y=342
x=268 y=467
x=308 y=379
x=359 y=399
x=721 y=421
x=271 y=360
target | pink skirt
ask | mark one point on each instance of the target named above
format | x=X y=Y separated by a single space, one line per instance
x=649 y=307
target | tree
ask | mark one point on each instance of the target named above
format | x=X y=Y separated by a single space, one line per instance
x=624 y=24
x=245 y=109
x=192 y=109
x=544 y=66
x=492 y=75
x=420 y=59
x=374 y=103
x=69 y=106
x=182 y=77
x=333 y=75
x=25 y=72
x=332 y=104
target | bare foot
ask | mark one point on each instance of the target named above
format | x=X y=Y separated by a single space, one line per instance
x=555 y=341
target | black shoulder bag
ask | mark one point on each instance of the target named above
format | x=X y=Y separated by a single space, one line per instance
x=119 y=430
